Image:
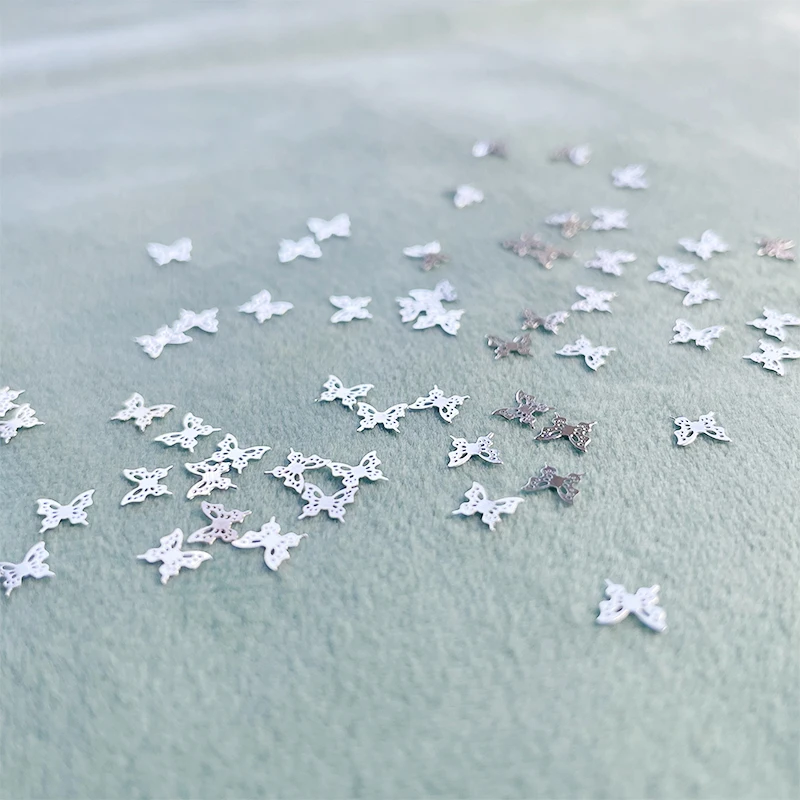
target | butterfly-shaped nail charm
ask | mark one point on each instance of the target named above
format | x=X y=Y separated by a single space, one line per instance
x=776 y=248
x=73 y=512
x=463 y=451
x=552 y=322
x=697 y=292
x=350 y=308
x=142 y=416
x=367 y=468
x=276 y=547
x=528 y=244
x=593 y=299
x=570 y=223
x=228 y=450
x=212 y=476
x=324 y=229
x=771 y=356
x=611 y=261
x=7 y=397
x=685 y=333
x=446 y=406
x=579 y=155
x=643 y=605
x=221 y=526
x=289 y=250
x=336 y=390
x=521 y=345
x=172 y=558
x=671 y=271
x=389 y=419
x=774 y=323
x=179 y=250
x=24 y=417
x=154 y=345
x=490 y=510
x=448 y=321
x=334 y=504
x=426 y=307
x=263 y=306
x=593 y=356
x=292 y=473
x=485 y=148
x=187 y=438
x=608 y=219
x=688 y=430
x=467 y=195
x=430 y=253
x=566 y=486
x=148 y=484
x=527 y=406
x=206 y=320
x=704 y=247
x=579 y=435
x=630 y=177
x=32 y=566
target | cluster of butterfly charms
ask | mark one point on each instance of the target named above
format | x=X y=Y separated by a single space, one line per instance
x=54 y=513
x=566 y=486
x=179 y=250
x=176 y=332
x=264 y=307
x=605 y=219
x=610 y=261
x=350 y=308
x=579 y=154
x=23 y=417
x=643 y=605
x=689 y=430
x=466 y=195
x=533 y=246
x=674 y=273
x=594 y=357
x=425 y=307
x=490 y=510
x=685 y=333
x=212 y=470
x=430 y=254
x=630 y=177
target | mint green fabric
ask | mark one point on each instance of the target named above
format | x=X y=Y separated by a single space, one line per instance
x=406 y=652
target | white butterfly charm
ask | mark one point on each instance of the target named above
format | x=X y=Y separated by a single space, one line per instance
x=430 y=253
x=609 y=219
x=466 y=195
x=154 y=345
x=771 y=356
x=697 y=292
x=228 y=450
x=292 y=473
x=172 y=558
x=221 y=526
x=367 y=468
x=446 y=406
x=464 y=450
x=148 y=481
x=579 y=155
x=179 y=250
x=685 y=333
x=448 y=321
x=24 y=417
x=490 y=510
x=611 y=261
x=324 y=229
x=552 y=322
x=773 y=323
x=335 y=390
x=289 y=250
x=593 y=356
x=425 y=301
x=594 y=299
x=276 y=547
x=708 y=244
x=212 y=476
x=671 y=271
x=142 y=416
x=630 y=177
x=187 y=438
x=32 y=566
x=688 y=430
x=389 y=419
x=206 y=320
x=643 y=605
x=351 y=308
x=334 y=504
x=263 y=307
x=7 y=397
x=488 y=148
x=54 y=512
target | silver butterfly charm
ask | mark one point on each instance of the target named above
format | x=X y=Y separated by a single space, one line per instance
x=54 y=513
x=366 y=468
x=776 y=248
x=593 y=356
x=552 y=322
x=228 y=450
x=485 y=148
x=263 y=306
x=187 y=438
x=430 y=253
x=630 y=177
x=671 y=271
x=142 y=415
x=704 y=247
x=324 y=229
x=276 y=547
x=172 y=558
x=579 y=435
x=774 y=323
x=221 y=526
x=688 y=430
x=7 y=397
x=389 y=419
x=521 y=345
x=292 y=473
x=525 y=410
x=350 y=308
x=611 y=261
x=212 y=476
x=333 y=504
x=289 y=250
x=24 y=417
x=446 y=406
x=643 y=605
x=579 y=155
x=490 y=510
x=608 y=219
x=697 y=292
x=685 y=333
x=771 y=356
x=467 y=195
x=593 y=299
x=336 y=390
x=179 y=250
x=570 y=223
x=32 y=566
x=148 y=484
x=566 y=486
x=464 y=450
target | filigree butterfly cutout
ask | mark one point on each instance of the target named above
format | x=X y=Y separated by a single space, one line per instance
x=688 y=430
x=630 y=177
x=7 y=397
x=643 y=605
x=276 y=547
x=521 y=345
x=610 y=261
x=593 y=356
x=206 y=320
x=334 y=504
x=566 y=486
x=593 y=299
x=54 y=513
x=292 y=473
x=148 y=484
x=552 y=322
x=449 y=321
x=774 y=323
x=570 y=223
x=24 y=417
x=228 y=450
x=142 y=416
x=431 y=254
x=671 y=271
x=487 y=147
x=32 y=566
x=776 y=248
x=367 y=468
x=467 y=195
x=154 y=345
x=264 y=307
x=771 y=356
x=526 y=409
x=490 y=510
x=446 y=406
x=221 y=526
x=685 y=333
x=579 y=155
x=289 y=250
x=608 y=219
x=464 y=450
x=578 y=435
x=389 y=419
x=212 y=476
x=187 y=438
x=350 y=308
x=179 y=250
x=324 y=229
x=704 y=247
x=172 y=558
x=336 y=390
x=696 y=291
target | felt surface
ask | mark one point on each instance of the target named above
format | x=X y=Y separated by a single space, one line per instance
x=406 y=652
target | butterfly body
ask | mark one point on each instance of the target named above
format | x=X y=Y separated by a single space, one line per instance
x=367 y=468
x=504 y=347
x=292 y=473
x=54 y=513
x=446 y=406
x=526 y=409
x=335 y=390
x=490 y=510
x=221 y=526
x=566 y=486
x=324 y=229
x=142 y=416
x=276 y=546
x=172 y=558
x=463 y=451
x=689 y=430
x=389 y=419
x=32 y=566
x=264 y=307
x=333 y=504
x=187 y=438
x=685 y=333
x=179 y=250
x=643 y=605
x=578 y=435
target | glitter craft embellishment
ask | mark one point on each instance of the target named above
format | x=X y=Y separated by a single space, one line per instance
x=685 y=333
x=593 y=356
x=771 y=356
x=643 y=606
x=446 y=406
x=179 y=250
x=578 y=155
x=334 y=389
x=366 y=468
x=774 y=323
x=552 y=322
x=228 y=450
x=688 y=430
x=566 y=486
x=324 y=229
x=611 y=261
x=527 y=406
x=211 y=477
x=187 y=438
x=350 y=308
x=172 y=558
x=608 y=219
x=334 y=504
x=289 y=250
x=430 y=253
x=148 y=484
x=570 y=223
x=579 y=436
x=7 y=397
x=32 y=566
x=630 y=177
x=292 y=473
x=593 y=299
x=490 y=510
x=24 y=417
x=521 y=345
x=142 y=416
x=221 y=526
x=264 y=307
x=776 y=248
x=489 y=148
x=54 y=513
x=467 y=195
x=389 y=419
x=464 y=450
x=708 y=244
x=426 y=307
x=276 y=547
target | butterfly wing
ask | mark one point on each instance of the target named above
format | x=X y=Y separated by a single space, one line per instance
x=486 y=452
x=553 y=321
x=314 y=497
x=320 y=228
x=276 y=554
x=146 y=415
x=427 y=401
x=506 y=505
x=450 y=321
x=684 y=435
x=596 y=357
x=392 y=415
x=335 y=505
x=160 y=253
x=712 y=429
x=77 y=515
x=582 y=435
x=555 y=431
x=568 y=490
x=507 y=413
x=613 y=609
x=476 y=497
x=448 y=408
x=648 y=611
x=459 y=455
x=706 y=336
x=544 y=480
x=241 y=457
x=130 y=408
x=51 y=510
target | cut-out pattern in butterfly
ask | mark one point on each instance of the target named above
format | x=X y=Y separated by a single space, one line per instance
x=264 y=307
x=566 y=486
x=570 y=223
x=643 y=605
x=774 y=323
x=350 y=308
x=336 y=390
x=221 y=526
x=608 y=219
x=431 y=254
x=593 y=299
x=527 y=406
x=704 y=247
x=446 y=406
x=24 y=417
x=467 y=195
x=32 y=566
x=490 y=510
x=389 y=419
x=228 y=450
x=212 y=476
x=148 y=481
x=324 y=229
x=578 y=435
x=593 y=356
x=579 y=155
x=289 y=250
x=552 y=322
x=334 y=504
x=367 y=468
x=292 y=473
x=685 y=333
x=187 y=438
x=7 y=397
x=611 y=261
x=630 y=177
x=487 y=147
x=179 y=250
x=521 y=345
x=463 y=451
x=172 y=558
x=776 y=248
x=276 y=547
x=771 y=356
x=73 y=512
x=688 y=430
x=142 y=416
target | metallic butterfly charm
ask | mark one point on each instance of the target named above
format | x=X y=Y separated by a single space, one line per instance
x=148 y=484
x=685 y=333
x=289 y=250
x=142 y=416
x=292 y=473
x=771 y=356
x=552 y=322
x=774 y=323
x=276 y=547
x=464 y=450
x=172 y=558
x=333 y=504
x=776 y=248
x=187 y=438
x=566 y=486
x=24 y=417
x=54 y=513
x=7 y=397
x=228 y=450
x=179 y=250
x=688 y=431
x=527 y=406
x=489 y=148
x=263 y=306
x=221 y=526
x=578 y=435
x=467 y=195
x=578 y=155
x=430 y=253
x=609 y=219
x=643 y=605
x=630 y=177
x=504 y=347
x=610 y=261
x=212 y=476
x=593 y=299
x=324 y=229
x=350 y=308
x=594 y=357
x=533 y=246
x=366 y=468
x=705 y=247
x=570 y=223
x=446 y=406
x=32 y=566
x=336 y=390
x=490 y=510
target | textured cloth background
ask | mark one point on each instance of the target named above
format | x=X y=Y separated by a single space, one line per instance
x=406 y=652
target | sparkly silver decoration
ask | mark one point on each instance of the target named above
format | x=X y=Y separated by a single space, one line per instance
x=490 y=510
x=263 y=306
x=446 y=406
x=776 y=248
x=643 y=605
x=630 y=177
x=228 y=450
x=148 y=484
x=578 y=155
x=289 y=250
x=172 y=558
x=187 y=438
x=333 y=504
x=430 y=253
x=771 y=356
x=579 y=435
x=464 y=450
x=292 y=473
x=426 y=307
x=276 y=547
x=608 y=219
x=336 y=390
x=467 y=195
x=389 y=419
x=179 y=250
x=525 y=410
x=324 y=229
x=671 y=271
x=688 y=430
x=7 y=397
x=489 y=148
x=32 y=566
x=704 y=247
x=593 y=356
x=521 y=345
x=566 y=486
x=221 y=526
x=366 y=468
x=611 y=261
x=350 y=308
x=593 y=299
x=685 y=333
x=552 y=322
x=141 y=415
x=24 y=417
x=212 y=476
x=570 y=223
x=54 y=513
x=774 y=323
x=532 y=245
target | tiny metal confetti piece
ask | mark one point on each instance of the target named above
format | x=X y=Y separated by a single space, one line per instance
x=7 y=397
x=485 y=148
x=446 y=406
x=172 y=558
x=136 y=410
x=148 y=484
x=263 y=306
x=334 y=389
x=54 y=513
x=570 y=223
x=333 y=504
x=776 y=248
x=366 y=468
x=350 y=308
x=688 y=430
x=32 y=566
x=211 y=477
x=630 y=177
x=23 y=417
x=389 y=419
x=289 y=250
x=292 y=473
x=552 y=322
x=504 y=347
x=685 y=333
x=467 y=195
x=774 y=323
x=490 y=510
x=527 y=406
x=610 y=261
x=527 y=245
x=578 y=155
x=608 y=219
x=643 y=605
x=187 y=438
x=324 y=229
x=276 y=547
x=179 y=250
x=578 y=435
x=464 y=450
x=566 y=486
x=705 y=247
x=221 y=526
x=771 y=356
x=593 y=356
x=228 y=450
